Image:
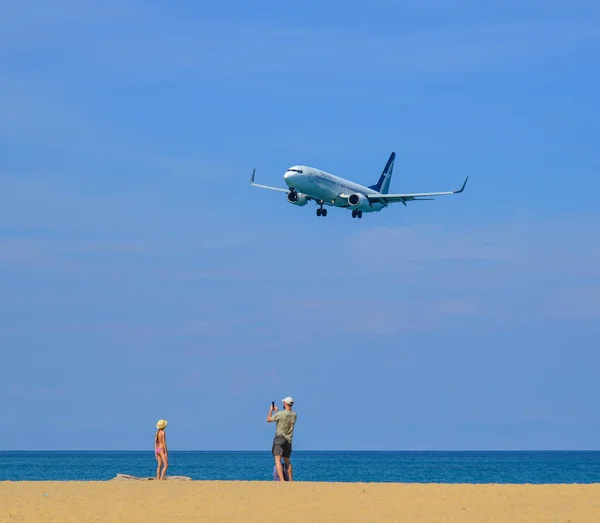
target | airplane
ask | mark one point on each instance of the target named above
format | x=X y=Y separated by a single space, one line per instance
x=309 y=184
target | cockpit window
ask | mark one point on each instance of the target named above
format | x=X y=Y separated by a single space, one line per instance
x=295 y=170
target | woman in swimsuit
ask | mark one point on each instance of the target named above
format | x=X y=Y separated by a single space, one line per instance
x=160 y=449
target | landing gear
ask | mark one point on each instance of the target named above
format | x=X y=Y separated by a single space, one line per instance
x=356 y=214
x=321 y=211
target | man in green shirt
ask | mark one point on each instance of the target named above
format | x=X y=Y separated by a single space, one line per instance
x=284 y=432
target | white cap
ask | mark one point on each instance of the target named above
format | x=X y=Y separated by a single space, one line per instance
x=288 y=400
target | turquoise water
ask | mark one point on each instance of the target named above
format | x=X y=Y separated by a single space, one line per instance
x=397 y=467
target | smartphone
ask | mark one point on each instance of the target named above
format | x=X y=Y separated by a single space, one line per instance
x=272 y=404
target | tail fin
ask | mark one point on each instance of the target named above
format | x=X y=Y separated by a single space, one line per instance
x=383 y=184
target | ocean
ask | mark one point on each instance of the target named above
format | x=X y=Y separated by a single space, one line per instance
x=395 y=467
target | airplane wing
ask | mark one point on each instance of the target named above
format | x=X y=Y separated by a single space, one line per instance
x=403 y=198
x=266 y=186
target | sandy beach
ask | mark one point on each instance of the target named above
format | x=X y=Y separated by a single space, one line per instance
x=149 y=501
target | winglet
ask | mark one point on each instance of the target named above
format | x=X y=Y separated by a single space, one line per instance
x=463 y=186
x=252 y=177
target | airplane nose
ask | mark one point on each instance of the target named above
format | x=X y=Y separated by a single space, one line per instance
x=288 y=177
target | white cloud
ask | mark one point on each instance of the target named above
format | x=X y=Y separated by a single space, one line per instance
x=536 y=248
x=574 y=301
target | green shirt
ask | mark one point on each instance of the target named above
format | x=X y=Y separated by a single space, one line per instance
x=285 y=419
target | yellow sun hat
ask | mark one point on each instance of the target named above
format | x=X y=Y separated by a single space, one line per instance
x=162 y=423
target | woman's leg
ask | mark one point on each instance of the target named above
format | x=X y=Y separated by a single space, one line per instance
x=165 y=462
x=158 y=459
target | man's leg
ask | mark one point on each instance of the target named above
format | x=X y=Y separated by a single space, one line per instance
x=279 y=468
x=289 y=467
x=277 y=453
x=287 y=453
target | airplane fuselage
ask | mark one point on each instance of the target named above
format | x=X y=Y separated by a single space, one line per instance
x=326 y=187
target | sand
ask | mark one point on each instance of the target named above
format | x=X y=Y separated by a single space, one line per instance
x=265 y=502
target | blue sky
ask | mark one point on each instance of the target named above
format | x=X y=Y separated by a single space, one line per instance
x=142 y=277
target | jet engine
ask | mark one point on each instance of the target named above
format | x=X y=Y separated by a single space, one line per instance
x=358 y=201
x=297 y=198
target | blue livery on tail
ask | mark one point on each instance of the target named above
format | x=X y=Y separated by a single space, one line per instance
x=383 y=185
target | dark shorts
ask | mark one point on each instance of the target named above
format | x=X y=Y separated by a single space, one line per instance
x=282 y=447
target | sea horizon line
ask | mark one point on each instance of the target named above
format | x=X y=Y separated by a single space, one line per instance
x=268 y=451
